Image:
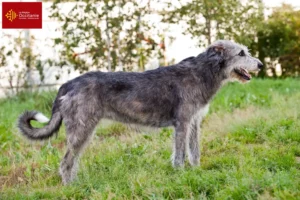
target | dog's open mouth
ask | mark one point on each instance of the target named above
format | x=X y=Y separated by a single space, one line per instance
x=243 y=73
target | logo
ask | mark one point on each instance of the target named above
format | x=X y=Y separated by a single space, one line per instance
x=11 y=15
x=22 y=15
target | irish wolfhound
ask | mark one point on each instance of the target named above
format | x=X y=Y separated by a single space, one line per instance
x=176 y=95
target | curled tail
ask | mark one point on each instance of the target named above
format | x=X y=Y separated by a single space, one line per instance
x=40 y=133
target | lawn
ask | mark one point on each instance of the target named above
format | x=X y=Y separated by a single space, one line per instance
x=250 y=148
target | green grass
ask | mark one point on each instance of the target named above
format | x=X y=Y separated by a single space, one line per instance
x=250 y=150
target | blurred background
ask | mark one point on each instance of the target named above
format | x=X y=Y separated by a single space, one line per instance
x=250 y=141
x=136 y=35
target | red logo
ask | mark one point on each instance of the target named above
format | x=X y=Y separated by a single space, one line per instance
x=23 y=15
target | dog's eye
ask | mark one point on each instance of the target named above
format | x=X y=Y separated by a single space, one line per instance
x=242 y=53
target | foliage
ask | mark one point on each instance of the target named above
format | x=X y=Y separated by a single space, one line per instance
x=105 y=34
x=219 y=19
x=20 y=59
x=280 y=40
x=112 y=34
x=250 y=150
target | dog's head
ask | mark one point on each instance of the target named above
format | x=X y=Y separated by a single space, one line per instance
x=233 y=60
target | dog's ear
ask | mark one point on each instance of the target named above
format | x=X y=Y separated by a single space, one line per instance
x=216 y=52
x=216 y=49
x=215 y=57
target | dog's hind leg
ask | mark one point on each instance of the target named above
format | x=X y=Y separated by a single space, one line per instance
x=78 y=136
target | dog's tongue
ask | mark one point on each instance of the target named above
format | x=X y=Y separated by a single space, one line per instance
x=245 y=73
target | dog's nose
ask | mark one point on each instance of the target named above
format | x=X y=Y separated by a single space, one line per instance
x=260 y=65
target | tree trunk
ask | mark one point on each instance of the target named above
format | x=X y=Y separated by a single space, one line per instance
x=108 y=46
x=207 y=23
x=261 y=55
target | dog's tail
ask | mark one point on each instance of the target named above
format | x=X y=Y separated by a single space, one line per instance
x=40 y=133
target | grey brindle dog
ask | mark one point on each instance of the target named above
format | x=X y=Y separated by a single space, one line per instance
x=176 y=95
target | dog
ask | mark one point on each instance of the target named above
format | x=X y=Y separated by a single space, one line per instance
x=176 y=95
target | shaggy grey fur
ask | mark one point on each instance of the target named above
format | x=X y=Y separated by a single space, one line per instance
x=176 y=95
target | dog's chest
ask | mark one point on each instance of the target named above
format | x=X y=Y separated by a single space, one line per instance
x=202 y=111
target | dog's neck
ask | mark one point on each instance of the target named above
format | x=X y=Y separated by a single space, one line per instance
x=210 y=75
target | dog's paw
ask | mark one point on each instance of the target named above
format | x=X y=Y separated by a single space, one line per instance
x=178 y=163
x=195 y=162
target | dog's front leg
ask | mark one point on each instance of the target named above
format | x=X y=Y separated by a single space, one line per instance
x=181 y=130
x=193 y=137
x=193 y=142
